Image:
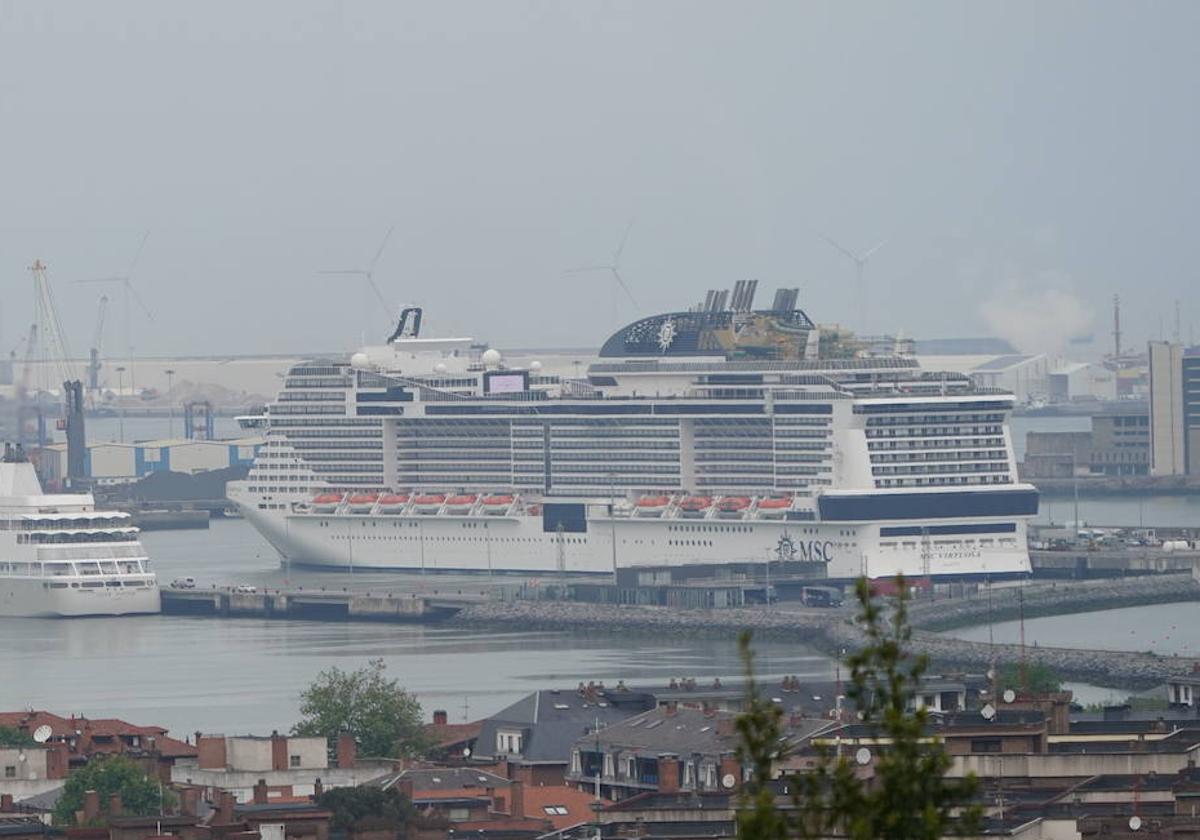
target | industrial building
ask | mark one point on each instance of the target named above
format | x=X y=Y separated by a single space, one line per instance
x=1117 y=445
x=1174 y=409
x=118 y=463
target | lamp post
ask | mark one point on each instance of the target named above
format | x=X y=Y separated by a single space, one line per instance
x=170 y=372
x=120 y=404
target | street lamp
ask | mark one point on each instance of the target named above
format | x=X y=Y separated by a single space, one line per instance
x=120 y=404
x=170 y=372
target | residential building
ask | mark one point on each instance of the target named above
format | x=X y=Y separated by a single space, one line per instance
x=668 y=749
x=532 y=739
x=288 y=765
x=1174 y=409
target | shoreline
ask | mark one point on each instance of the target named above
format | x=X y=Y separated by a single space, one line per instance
x=834 y=632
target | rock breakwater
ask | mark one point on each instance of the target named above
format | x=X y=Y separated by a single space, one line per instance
x=834 y=632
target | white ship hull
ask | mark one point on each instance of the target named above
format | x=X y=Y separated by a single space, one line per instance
x=38 y=598
x=521 y=545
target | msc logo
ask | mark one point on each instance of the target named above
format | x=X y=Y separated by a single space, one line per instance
x=788 y=550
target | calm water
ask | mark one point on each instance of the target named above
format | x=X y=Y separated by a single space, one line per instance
x=244 y=675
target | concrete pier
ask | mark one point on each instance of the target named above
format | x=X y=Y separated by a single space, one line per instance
x=408 y=608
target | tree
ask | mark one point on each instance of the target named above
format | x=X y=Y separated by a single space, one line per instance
x=1038 y=678
x=10 y=737
x=367 y=808
x=385 y=720
x=909 y=797
x=140 y=795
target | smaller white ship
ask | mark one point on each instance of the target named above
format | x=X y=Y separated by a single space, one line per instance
x=59 y=556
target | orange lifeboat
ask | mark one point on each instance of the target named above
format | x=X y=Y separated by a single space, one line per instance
x=431 y=503
x=694 y=507
x=461 y=503
x=774 y=508
x=393 y=502
x=652 y=505
x=326 y=502
x=362 y=502
x=495 y=505
x=732 y=506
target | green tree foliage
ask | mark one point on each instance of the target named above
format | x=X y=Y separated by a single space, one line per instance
x=140 y=794
x=367 y=808
x=10 y=737
x=909 y=797
x=1039 y=678
x=385 y=720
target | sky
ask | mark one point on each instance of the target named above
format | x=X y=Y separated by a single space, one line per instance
x=1021 y=161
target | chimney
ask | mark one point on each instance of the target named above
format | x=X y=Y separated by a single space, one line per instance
x=91 y=805
x=114 y=805
x=6 y=803
x=318 y=789
x=260 y=792
x=440 y=718
x=406 y=789
x=189 y=801
x=730 y=767
x=516 y=798
x=347 y=751
x=726 y=726
x=668 y=774
x=225 y=802
x=279 y=752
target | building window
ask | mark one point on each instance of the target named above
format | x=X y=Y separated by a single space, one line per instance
x=10 y=771
x=294 y=761
x=985 y=745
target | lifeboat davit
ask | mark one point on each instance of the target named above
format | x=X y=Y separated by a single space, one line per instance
x=326 y=502
x=495 y=505
x=429 y=504
x=694 y=507
x=393 y=502
x=774 y=508
x=461 y=504
x=652 y=505
x=732 y=506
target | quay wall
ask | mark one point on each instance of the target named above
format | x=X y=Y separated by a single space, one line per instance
x=835 y=633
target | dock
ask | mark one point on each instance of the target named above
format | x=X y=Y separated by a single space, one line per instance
x=316 y=605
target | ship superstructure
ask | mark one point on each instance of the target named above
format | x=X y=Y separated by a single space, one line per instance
x=60 y=557
x=714 y=436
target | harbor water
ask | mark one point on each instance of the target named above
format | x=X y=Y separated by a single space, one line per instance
x=245 y=675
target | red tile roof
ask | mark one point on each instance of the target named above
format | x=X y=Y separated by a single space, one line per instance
x=62 y=728
x=578 y=804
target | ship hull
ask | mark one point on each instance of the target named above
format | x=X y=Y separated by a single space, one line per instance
x=35 y=598
x=523 y=545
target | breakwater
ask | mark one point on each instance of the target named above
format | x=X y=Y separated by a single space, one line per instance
x=835 y=632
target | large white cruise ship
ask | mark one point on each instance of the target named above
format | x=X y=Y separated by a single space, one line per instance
x=59 y=556
x=716 y=436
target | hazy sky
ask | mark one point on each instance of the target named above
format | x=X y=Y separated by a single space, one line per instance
x=1024 y=161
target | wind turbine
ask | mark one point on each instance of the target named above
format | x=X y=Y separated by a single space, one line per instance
x=613 y=267
x=860 y=263
x=368 y=274
x=125 y=281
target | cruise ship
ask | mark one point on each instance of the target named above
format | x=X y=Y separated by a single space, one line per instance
x=714 y=436
x=61 y=557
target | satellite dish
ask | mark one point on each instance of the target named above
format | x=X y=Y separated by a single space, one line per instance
x=728 y=780
x=988 y=711
x=991 y=674
x=1135 y=823
x=863 y=756
x=1009 y=695
x=42 y=734
x=466 y=752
